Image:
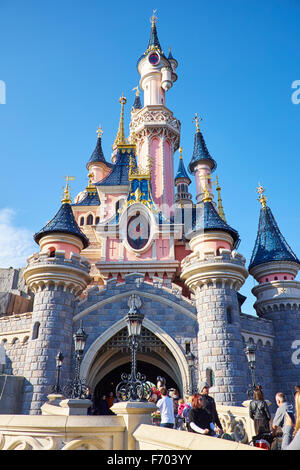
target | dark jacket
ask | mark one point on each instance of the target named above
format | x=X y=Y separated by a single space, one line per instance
x=259 y=409
x=209 y=405
x=200 y=417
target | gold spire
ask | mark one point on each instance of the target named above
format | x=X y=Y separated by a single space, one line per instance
x=91 y=188
x=206 y=194
x=196 y=120
x=153 y=18
x=137 y=93
x=120 y=138
x=180 y=153
x=67 y=197
x=262 y=198
x=99 y=132
x=220 y=205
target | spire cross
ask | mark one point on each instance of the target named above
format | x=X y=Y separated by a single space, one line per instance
x=137 y=90
x=262 y=198
x=99 y=131
x=153 y=18
x=196 y=120
x=67 y=197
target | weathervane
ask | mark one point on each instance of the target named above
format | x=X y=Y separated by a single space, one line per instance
x=66 y=189
x=153 y=18
x=196 y=120
x=99 y=132
x=262 y=198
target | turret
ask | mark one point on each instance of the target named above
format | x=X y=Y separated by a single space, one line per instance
x=274 y=265
x=97 y=166
x=202 y=164
x=182 y=182
x=214 y=272
x=56 y=275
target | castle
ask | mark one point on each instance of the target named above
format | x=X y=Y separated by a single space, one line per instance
x=135 y=231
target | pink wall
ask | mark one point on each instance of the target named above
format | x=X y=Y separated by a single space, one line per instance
x=162 y=248
x=168 y=175
x=62 y=246
x=276 y=277
x=156 y=174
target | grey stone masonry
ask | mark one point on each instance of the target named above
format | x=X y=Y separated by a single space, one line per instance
x=220 y=342
x=56 y=282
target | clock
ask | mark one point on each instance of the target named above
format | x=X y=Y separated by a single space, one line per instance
x=154 y=58
x=138 y=231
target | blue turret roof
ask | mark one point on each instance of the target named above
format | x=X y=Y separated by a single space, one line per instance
x=90 y=199
x=181 y=172
x=137 y=103
x=270 y=245
x=63 y=222
x=206 y=218
x=97 y=155
x=153 y=40
x=200 y=152
x=119 y=171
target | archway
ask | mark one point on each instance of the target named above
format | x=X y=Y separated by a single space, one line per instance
x=109 y=382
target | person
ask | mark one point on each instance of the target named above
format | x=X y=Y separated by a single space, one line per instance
x=259 y=412
x=166 y=408
x=103 y=408
x=283 y=408
x=291 y=434
x=209 y=405
x=88 y=396
x=199 y=420
x=181 y=413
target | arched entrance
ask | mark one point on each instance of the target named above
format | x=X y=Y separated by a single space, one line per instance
x=102 y=366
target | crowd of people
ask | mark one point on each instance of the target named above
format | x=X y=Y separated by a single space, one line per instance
x=198 y=413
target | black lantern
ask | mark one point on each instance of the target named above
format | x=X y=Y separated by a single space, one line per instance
x=250 y=351
x=77 y=387
x=133 y=386
x=59 y=360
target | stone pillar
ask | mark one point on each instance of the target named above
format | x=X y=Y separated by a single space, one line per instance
x=215 y=280
x=56 y=282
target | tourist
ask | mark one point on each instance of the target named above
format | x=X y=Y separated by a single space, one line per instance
x=199 y=419
x=88 y=396
x=166 y=408
x=259 y=412
x=283 y=408
x=103 y=408
x=181 y=413
x=291 y=435
x=209 y=405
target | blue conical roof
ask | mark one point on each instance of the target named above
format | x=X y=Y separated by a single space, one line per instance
x=137 y=103
x=63 y=222
x=119 y=172
x=200 y=152
x=98 y=155
x=270 y=245
x=153 y=40
x=206 y=218
x=181 y=172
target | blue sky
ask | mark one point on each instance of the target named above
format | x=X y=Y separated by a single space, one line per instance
x=66 y=63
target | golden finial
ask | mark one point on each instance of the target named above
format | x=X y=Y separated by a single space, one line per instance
x=206 y=195
x=137 y=93
x=120 y=138
x=196 y=120
x=180 y=153
x=153 y=18
x=91 y=188
x=99 y=132
x=220 y=205
x=66 y=197
x=262 y=198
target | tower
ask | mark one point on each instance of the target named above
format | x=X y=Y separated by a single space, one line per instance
x=182 y=182
x=56 y=275
x=274 y=266
x=156 y=130
x=214 y=272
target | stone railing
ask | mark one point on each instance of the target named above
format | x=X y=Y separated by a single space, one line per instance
x=64 y=425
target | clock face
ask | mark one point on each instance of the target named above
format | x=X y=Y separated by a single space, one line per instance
x=153 y=58
x=138 y=231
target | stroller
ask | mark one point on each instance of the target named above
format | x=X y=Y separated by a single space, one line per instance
x=264 y=440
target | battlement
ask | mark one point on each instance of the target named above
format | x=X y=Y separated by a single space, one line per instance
x=277 y=296
x=198 y=268
x=57 y=270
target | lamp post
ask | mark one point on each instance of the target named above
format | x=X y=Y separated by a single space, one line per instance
x=59 y=360
x=77 y=387
x=133 y=386
x=250 y=351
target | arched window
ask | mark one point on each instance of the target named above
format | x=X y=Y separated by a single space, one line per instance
x=90 y=219
x=97 y=220
x=81 y=221
x=187 y=347
x=35 y=331
x=52 y=252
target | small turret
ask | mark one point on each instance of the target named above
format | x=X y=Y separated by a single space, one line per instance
x=97 y=165
x=182 y=182
x=201 y=164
